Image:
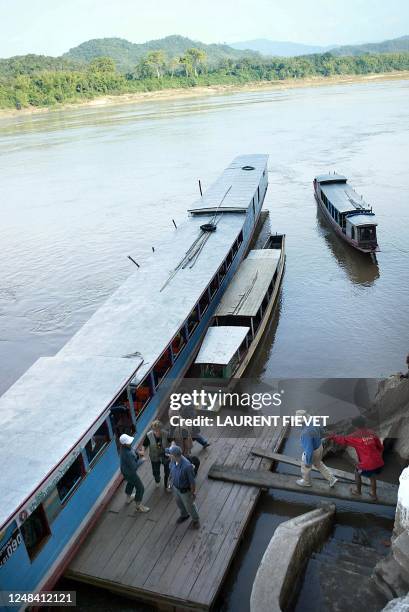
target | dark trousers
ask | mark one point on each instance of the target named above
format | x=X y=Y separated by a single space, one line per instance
x=156 y=470
x=137 y=484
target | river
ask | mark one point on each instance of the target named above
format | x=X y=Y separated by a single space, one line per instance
x=82 y=188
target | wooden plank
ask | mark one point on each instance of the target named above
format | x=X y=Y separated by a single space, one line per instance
x=287 y=482
x=349 y=476
x=210 y=580
x=150 y=557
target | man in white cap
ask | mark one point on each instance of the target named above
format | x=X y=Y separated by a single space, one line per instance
x=183 y=485
x=129 y=465
x=312 y=454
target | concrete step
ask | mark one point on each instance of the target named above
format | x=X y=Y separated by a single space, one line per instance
x=363 y=570
x=329 y=587
x=349 y=551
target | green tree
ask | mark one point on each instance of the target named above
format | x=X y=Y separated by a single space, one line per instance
x=197 y=58
x=102 y=64
x=186 y=62
x=173 y=66
x=157 y=60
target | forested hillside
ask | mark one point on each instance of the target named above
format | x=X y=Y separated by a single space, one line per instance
x=127 y=54
x=36 y=81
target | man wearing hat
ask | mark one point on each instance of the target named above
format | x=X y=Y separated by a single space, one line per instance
x=183 y=485
x=129 y=465
x=312 y=454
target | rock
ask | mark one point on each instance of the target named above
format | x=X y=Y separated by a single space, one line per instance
x=391 y=411
x=388 y=578
x=402 y=509
x=398 y=605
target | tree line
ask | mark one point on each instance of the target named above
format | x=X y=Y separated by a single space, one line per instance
x=36 y=81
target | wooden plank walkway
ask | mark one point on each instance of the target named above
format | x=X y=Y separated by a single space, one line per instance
x=287 y=482
x=341 y=474
x=151 y=558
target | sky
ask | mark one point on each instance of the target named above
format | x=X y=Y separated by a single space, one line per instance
x=51 y=27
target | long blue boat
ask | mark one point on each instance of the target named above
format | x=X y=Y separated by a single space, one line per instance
x=61 y=420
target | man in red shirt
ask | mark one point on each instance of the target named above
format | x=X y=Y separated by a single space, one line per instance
x=369 y=449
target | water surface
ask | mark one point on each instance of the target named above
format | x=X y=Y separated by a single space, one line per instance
x=82 y=189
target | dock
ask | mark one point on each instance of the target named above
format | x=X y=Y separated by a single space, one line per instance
x=150 y=558
x=387 y=496
x=340 y=474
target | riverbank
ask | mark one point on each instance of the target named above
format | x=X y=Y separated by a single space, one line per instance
x=211 y=90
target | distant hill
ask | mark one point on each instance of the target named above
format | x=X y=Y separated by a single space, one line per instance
x=127 y=54
x=279 y=48
x=290 y=49
x=387 y=46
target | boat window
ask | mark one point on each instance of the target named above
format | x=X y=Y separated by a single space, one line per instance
x=243 y=347
x=258 y=193
x=214 y=285
x=193 y=321
x=264 y=303
x=204 y=302
x=162 y=366
x=35 y=531
x=212 y=370
x=256 y=320
x=71 y=478
x=52 y=505
x=178 y=342
x=121 y=421
x=143 y=394
x=254 y=207
x=352 y=232
x=222 y=272
x=98 y=442
x=229 y=259
x=367 y=234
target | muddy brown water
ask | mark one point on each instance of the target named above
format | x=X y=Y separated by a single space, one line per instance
x=82 y=189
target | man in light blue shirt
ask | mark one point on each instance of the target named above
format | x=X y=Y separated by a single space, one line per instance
x=312 y=454
x=182 y=477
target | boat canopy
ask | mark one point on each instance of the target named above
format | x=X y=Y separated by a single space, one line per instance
x=221 y=344
x=235 y=188
x=325 y=179
x=45 y=414
x=344 y=198
x=147 y=311
x=359 y=220
x=244 y=295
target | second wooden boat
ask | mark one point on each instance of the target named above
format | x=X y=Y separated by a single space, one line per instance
x=348 y=214
x=242 y=315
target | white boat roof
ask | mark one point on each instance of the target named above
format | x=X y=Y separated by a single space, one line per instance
x=234 y=189
x=221 y=343
x=249 y=285
x=45 y=414
x=142 y=317
x=362 y=220
x=343 y=197
x=331 y=178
